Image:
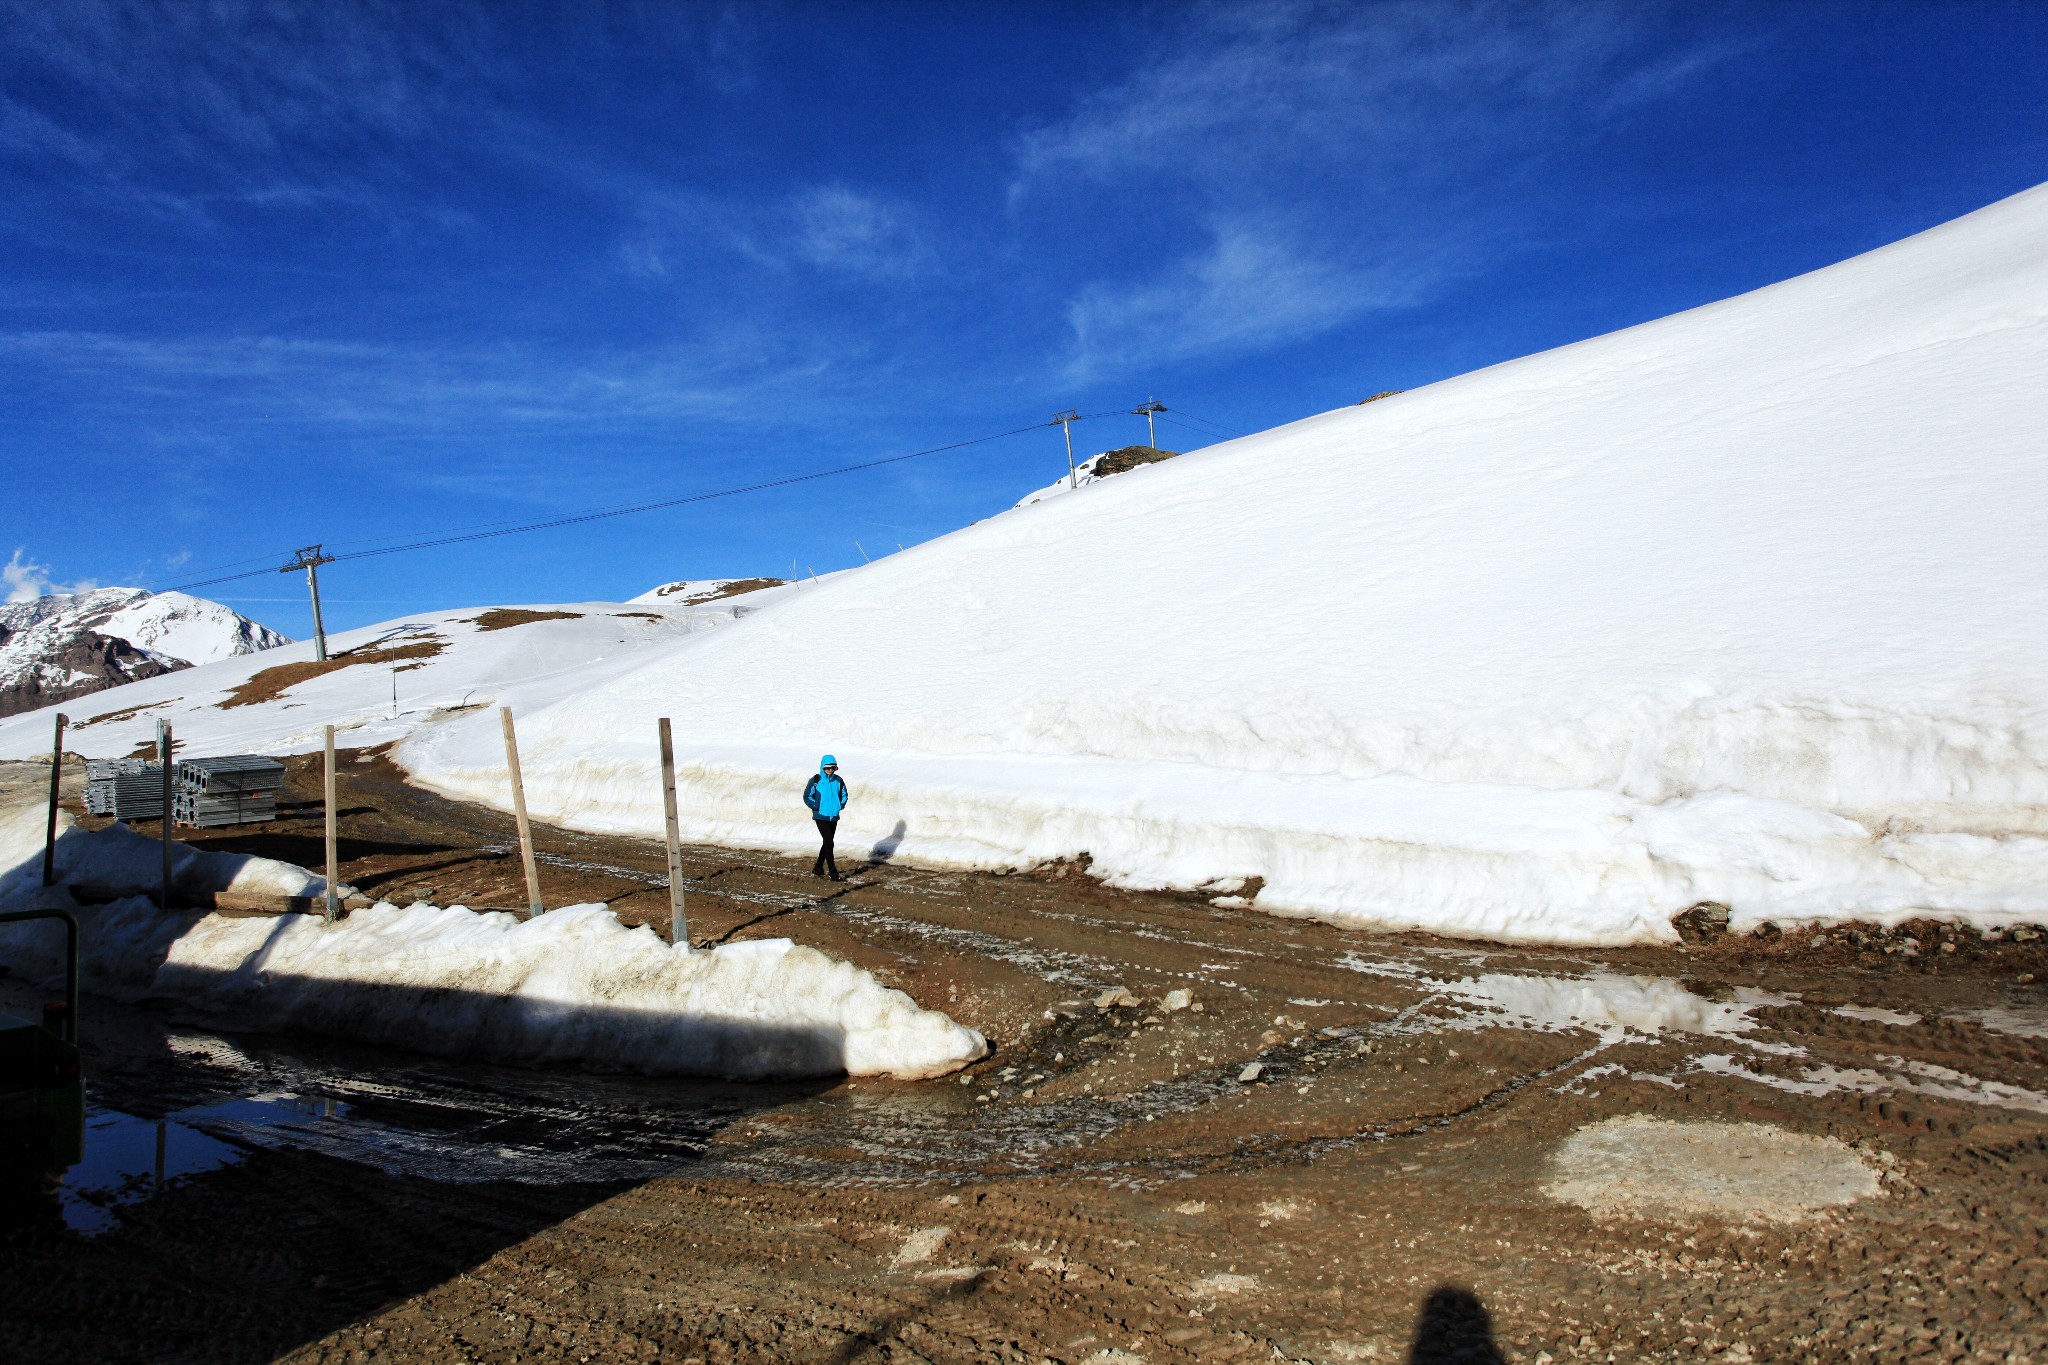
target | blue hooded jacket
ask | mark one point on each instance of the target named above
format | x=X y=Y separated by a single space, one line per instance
x=825 y=793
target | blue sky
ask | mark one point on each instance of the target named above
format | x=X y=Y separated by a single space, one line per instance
x=284 y=273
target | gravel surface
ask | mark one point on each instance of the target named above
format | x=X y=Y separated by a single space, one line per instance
x=1204 y=1134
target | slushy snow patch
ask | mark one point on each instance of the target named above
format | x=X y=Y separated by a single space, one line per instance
x=1644 y=1167
x=571 y=986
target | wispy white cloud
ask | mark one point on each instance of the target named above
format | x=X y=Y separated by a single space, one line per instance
x=1300 y=165
x=839 y=228
x=1247 y=288
x=830 y=228
x=184 y=110
x=25 y=580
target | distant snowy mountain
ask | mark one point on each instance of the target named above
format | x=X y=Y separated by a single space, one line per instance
x=59 y=647
x=1096 y=468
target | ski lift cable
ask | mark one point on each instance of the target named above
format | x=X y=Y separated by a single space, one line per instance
x=1183 y=412
x=458 y=536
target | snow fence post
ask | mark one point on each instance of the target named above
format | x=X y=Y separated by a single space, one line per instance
x=678 y=922
x=163 y=753
x=533 y=905
x=56 y=790
x=333 y=843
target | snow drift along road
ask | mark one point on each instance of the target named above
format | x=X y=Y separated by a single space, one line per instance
x=573 y=985
x=1743 y=604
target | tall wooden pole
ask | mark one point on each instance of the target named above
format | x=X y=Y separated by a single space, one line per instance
x=56 y=792
x=533 y=905
x=163 y=753
x=678 y=922
x=333 y=842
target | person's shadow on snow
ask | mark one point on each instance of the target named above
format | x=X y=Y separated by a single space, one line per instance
x=885 y=848
x=1454 y=1329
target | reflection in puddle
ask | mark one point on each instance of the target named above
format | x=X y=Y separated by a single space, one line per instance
x=1874 y=1014
x=1605 y=1003
x=129 y=1158
x=1623 y=1009
x=1919 y=1078
x=2020 y=1022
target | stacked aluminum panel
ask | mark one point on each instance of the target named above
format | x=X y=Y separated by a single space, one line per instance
x=236 y=789
x=125 y=788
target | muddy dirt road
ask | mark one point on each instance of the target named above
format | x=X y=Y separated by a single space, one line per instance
x=1205 y=1134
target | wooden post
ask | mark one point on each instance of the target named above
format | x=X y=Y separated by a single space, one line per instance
x=678 y=922
x=163 y=753
x=533 y=905
x=56 y=791
x=333 y=842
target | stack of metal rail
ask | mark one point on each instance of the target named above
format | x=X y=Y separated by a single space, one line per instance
x=236 y=789
x=125 y=788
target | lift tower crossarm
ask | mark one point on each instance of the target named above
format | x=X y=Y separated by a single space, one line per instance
x=310 y=559
x=1148 y=410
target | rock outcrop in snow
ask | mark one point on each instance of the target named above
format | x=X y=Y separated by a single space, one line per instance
x=1098 y=467
x=58 y=647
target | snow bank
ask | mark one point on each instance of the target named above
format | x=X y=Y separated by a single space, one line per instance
x=117 y=860
x=573 y=985
x=1739 y=605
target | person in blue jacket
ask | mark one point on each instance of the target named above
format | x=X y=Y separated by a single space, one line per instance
x=825 y=794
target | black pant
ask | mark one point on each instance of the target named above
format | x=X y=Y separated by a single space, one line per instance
x=826 y=862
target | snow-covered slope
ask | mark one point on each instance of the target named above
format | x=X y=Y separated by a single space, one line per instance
x=380 y=683
x=1744 y=604
x=57 y=647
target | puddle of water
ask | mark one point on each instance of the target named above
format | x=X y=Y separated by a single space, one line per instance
x=1874 y=1014
x=2020 y=1021
x=1613 y=1006
x=129 y=1158
x=1920 y=1078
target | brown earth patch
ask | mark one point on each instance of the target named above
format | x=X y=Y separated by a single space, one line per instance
x=125 y=713
x=736 y=588
x=272 y=683
x=504 y=618
x=638 y=615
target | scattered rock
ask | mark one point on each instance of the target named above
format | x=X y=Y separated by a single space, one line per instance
x=1250 y=1073
x=920 y=1245
x=1115 y=996
x=1178 y=999
x=1707 y=920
